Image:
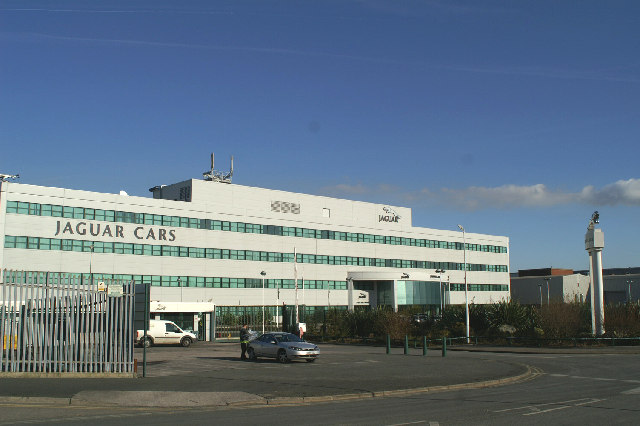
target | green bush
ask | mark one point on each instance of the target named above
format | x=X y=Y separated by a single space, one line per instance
x=564 y=320
x=622 y=320
x=522 y=318
x=553 y=321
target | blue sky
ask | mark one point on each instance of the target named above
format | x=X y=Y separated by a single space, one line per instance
x=515 y=118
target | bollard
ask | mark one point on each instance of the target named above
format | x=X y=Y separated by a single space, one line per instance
x=444 y=346
x=406 y=344
x=388 y=344
x=424 y=345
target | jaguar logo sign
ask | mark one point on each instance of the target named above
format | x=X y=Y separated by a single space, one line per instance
x=389 y=215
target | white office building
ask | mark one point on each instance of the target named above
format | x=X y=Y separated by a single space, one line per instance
x=216 y=243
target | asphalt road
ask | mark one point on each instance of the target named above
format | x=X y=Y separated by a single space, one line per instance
x=568 y=388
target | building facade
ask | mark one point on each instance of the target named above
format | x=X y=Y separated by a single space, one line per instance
x=233 y=246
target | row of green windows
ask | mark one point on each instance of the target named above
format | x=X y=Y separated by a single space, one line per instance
x=480 y=287
x=39 y=243
x=56 y=278
x=37 y=209
x=32 y=277
x=236 y=311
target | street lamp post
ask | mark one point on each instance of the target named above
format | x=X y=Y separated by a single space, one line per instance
x=440 y=272
x=540 y=289
x=180 y=285
x=466 y=292
x=548 y=297
x=263 y=273
x=90 y=264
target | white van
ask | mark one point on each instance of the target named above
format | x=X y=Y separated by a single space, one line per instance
x=163 y=332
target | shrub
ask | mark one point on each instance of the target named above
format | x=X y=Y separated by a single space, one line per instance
x=522 y=318
x=564 y=320
x=622 y=320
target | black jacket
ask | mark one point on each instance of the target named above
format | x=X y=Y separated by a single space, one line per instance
x=244 y=334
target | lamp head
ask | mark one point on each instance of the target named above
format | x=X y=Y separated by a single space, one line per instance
x=595 y=219
x=461 y=228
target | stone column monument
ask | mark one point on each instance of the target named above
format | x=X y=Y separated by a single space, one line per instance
x=594 y=243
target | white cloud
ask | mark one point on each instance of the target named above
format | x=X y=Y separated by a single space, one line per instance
x=622 y=192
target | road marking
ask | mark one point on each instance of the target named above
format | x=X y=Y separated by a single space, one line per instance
x=632 y=391
x=604 y=379
x=416 y=423
x=77 y=419
x=590 y=401
x=560 y=405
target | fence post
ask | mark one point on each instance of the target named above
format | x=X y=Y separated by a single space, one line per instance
x=424 y=345
x=444 y=346
x=388 y=344
x=406 y=344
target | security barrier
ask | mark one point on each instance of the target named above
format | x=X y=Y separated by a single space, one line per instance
x=55 y=323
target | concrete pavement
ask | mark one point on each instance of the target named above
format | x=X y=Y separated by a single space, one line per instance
x=211 y=374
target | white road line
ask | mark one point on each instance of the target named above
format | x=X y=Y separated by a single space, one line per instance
x=536 y=407
x=415 y=423
x=77 y=419
x=592 y=400
x=632 y=391
x=604 y=379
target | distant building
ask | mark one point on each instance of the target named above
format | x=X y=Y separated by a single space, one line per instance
x=556 y=285
x=529 y=287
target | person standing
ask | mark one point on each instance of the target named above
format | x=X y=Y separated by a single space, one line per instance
x=244 y=341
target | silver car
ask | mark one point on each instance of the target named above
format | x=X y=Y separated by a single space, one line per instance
x=282 y=346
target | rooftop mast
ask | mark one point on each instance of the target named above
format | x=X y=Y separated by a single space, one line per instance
x=217 y=176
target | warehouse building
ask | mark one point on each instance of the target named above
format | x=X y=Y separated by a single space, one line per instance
x=547 y=285
x=205 y=243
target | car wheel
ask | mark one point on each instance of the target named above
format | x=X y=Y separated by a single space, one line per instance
x=252 y=354
x=148 y=342
x=282 y=356
x=311 y=359
x=185 y=342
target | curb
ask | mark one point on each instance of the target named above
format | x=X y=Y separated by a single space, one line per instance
x=38 y=375
x=34 y=400
x=559 y=351
x=530 y=374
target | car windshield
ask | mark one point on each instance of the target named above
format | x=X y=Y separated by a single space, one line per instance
x=288 y=338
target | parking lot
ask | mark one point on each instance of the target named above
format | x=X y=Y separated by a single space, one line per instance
x=340 y=369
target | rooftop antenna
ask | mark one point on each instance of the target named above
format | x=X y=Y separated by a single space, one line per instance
x=216 y=176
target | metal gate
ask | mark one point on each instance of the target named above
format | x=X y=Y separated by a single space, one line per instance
x=229 y=320
x=58 y=323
